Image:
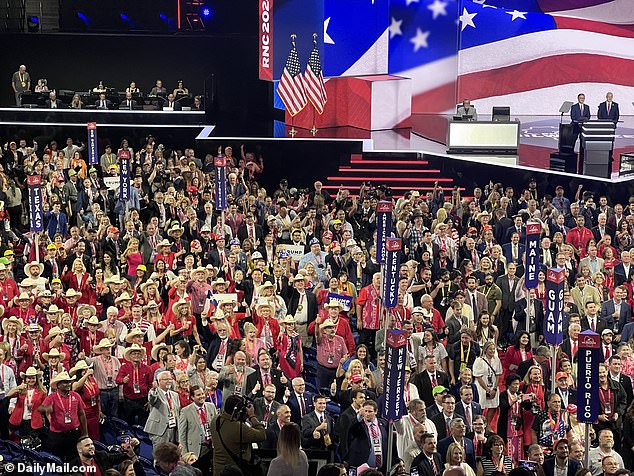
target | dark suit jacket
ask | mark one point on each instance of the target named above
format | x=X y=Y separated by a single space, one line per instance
x=520 y=316
x=177 y=106
x=293 y=404
x=441 y=424
x=309 y=423
x=443 y=446
x=108 y=104
x=425 y=468
x=597 y=233
x=572 y=397
x=620 y=276
x=625 y=316
x=259 y=405
x=256 y=377
x=360 y=444
x=58 y=103
x=626 y=383
x=507 y=250
x=311 y=300
x=424 y=385
x=508 y=294
x=577 y=115
x=601 y=324
x=346 y=419
x=272 y=433
x=242 y=232
x=476 y=409
x=549 y=467
x=603 y=114
x=124 y=104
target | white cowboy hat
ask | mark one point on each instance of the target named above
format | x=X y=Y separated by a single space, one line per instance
x=103 y=344
x=55 y=331
x=54 y=353
x=133 y=348
x=80 y=365
x=133 y=333
x=31 y=372
x=82 y=307
x=15 y=320
x=72 y=293
x=53 y=309
x=148 y=283
x=92 y=321
x=155 y=350
x=28 y=266
x=124 y=297
x=62 y=377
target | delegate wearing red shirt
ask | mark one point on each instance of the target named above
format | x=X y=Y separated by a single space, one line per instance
x=142 y=375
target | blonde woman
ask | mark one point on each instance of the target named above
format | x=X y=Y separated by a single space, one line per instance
x=356 y=373
x=487 y=372
x=252 y=342
x=132 y=257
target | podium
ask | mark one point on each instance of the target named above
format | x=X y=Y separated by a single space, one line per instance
x=565 y=159
x=597 y=139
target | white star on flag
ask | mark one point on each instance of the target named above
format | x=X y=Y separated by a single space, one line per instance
x=515 y=14
x=395 y=27
x=438 y=8
x=407 y=3
x=420 y=40
x=467 y=19
x=327 y=38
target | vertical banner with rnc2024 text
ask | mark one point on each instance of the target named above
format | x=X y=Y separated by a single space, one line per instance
x=588 y=357
x=554 y=315
x=35 y=203
x=93 y=153
x=383 y=228
x=395 y=358
x=392 y=264
x=531 y=270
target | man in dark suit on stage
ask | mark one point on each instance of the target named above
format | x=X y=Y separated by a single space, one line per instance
x=300 y=401
x=608 y=109
x=103 y=103
x=428 y=462
x=579 y=113
x=368 y=441
x=266 y=406
x=128 y=103
x=52 y=102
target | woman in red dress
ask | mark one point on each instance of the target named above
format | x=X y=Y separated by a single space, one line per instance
x=290 y=349
x=184 y=323
x=268 y=328
x=12 y=328
x=532 y=385
x=30 y=394
x=86 y=386
x=78 y=279
x=518 y=353
x=182 y=388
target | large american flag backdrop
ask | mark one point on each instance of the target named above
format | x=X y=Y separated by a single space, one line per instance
x=528 y=54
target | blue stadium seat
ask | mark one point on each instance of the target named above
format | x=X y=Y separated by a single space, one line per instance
x=310 y=387
x=333 y=408
x=13 y=448
x=49 y=458
x=99 y=446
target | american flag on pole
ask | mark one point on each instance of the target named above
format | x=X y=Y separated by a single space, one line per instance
x=314 y=80
x=291 y=87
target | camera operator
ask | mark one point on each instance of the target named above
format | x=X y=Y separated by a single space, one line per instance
x=233 y=432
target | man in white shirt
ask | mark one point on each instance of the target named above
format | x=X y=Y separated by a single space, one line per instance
x=417 y=415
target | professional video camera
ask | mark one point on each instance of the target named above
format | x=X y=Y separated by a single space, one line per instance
x=240 y=411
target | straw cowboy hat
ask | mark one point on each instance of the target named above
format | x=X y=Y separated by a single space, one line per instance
x=54 y=353
x=226 y=300
x=133 y=348
x=62 y=377
x=178 y=304
x=133 y=333
x=147 y=284
x=34 y=327
x=164 y=242
x=55 y=331
x=80 y=365
x=124 y=297
x=175 y=227
x=200 y=269
x=219 y=315
x=289 y=320
x=33 y=264
x=218 y=281
x=31 y=372
x=327 y=323
x=72 y=293
x=156 y=349
x=24 y=297
x=333 y=304
x=14 y=320
x=82 y=307
x=92 y=321
x=103 y=344
x=264 y=304
x=53 y=309
x=266 y=285
x=150 y=305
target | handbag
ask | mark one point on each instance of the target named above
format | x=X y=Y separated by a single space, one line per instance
x=251 y=468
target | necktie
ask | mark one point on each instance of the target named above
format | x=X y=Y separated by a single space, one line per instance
x=468 y=416
x=266 y=414
x=574 y=348
x=302 y=404
x=375 y=436
x=434 y=381
x=474 y=306
x=592 y=325
x=432 y=463
x=203 y=415
x=607 y=353
x=448 y=429
x=609 y=108
x=267 y=379
x=279 y=285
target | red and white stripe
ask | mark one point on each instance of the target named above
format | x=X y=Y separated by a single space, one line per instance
x=315 y=89
x=291 y=90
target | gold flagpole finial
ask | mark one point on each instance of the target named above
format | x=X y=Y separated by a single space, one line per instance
x=293 y=36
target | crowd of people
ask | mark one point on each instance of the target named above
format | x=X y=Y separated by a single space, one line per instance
x=170 y=314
